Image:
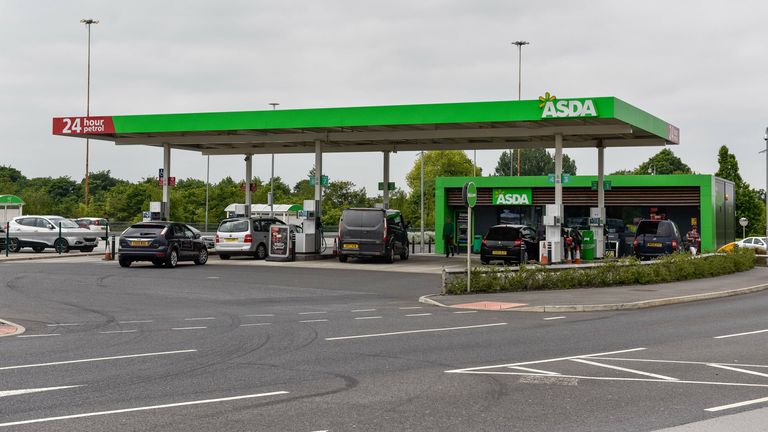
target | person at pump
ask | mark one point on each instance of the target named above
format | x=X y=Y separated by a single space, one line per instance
x=693 y=239
x=448 y=233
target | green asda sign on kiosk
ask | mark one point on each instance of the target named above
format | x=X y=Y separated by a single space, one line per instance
x=513 y=196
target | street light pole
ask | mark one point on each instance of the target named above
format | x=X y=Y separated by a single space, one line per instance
x=765 y=137
x=272 y=176
x=207 y=183
x=88 y=22
x=519 y=44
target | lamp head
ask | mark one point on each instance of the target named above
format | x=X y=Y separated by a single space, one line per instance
x=89 y=21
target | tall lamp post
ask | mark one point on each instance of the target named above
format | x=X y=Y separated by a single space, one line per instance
x=272 y=176
x=765 y=137
x=88 y=22
x=519 y=44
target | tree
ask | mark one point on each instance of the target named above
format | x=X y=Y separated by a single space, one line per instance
x=748 y=201
x=663 y=162
x=533 y=162
x=339 y=195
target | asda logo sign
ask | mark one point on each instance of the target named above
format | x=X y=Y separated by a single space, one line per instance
x=566 y=108
x=517 y=196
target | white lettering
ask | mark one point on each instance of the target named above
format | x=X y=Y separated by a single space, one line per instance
x=589 y=109
x=562 y=108
x=569 y=108
x=549 y=110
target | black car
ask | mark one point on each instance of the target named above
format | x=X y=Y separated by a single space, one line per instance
x=162 y=243
x=509 y=243
x=655 y=238
x=372 y=232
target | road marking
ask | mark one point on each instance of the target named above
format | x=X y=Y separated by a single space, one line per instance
x=146 y=408
x=199 y=319
x=4 y=393
x=188 y=328
x=740 y=334
x=213 y=277
x=311 y=321
x=98 y=359
x=415 y=315
x=260 y=315
x=368 y=317
x=737 y=404
x=414 y=331
x=254 y=324
x=554 y=318
x=735 y=369
x=40 y=335
x=363 y=310
x=135 y=322
x=542 y=361
x=465 y=312
x=410 y=307
x=117 y=331
x=539 y=371
x=311 y=313
x=677 y=361
x=70 y=324
x=623 y=369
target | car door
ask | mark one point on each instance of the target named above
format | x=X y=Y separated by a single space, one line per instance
x=24 y=229
x=179 y=239
x=46 y=232
x=195 y=244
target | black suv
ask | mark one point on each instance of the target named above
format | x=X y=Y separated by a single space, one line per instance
x=509 y=243
x=655 y=238
x=162 y=243
x=372 y=232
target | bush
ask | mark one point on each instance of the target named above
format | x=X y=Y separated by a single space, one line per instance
x=675 y=267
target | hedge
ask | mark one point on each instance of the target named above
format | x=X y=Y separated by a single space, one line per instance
x=672 y=268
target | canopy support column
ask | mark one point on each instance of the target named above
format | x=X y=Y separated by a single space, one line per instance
x=318 y=193
x=166 y=178
x=600 y=230
x=385 y=192
x=554 y=213
x=248 y=177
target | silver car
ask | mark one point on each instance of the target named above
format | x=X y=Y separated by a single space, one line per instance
x=41 y=232
x=244 y=236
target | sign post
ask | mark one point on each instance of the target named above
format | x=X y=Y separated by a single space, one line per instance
x=743 y=222
x=469 y=195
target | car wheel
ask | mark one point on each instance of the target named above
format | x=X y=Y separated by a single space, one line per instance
x=173 y=259
x=343 y=258
x=61 y=245
x=390 y=254
x=406 y=253
x=124 y=262
x=485 y=261
x=224 y=257
x=87 y=249
x=38 y=249
x=261 y=251
x=202 y=258
x=15 y=245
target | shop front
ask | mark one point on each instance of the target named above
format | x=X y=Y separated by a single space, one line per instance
x=702 y=200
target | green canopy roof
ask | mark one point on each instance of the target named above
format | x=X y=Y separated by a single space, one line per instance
x=11 y=199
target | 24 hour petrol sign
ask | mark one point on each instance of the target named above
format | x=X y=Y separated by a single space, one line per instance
x=83 y=125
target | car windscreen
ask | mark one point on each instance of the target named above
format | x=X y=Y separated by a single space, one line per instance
x=65 y=223
x=143 y=231
x=235 y=225
x=503 y=234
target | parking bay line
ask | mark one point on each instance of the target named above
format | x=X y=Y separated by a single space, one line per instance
x=188 y=328
x=38 y=335
x=363 y=310
x=255 y=324
x=413 y=331
x=146 y=408
x=98 y=359
x=367 y=317
x=740 y=334
x=737 y=405
x=417 y=315
x=554 y=318
x=199 y=319
x=623 y=369
x=312 y=321
x=117 y=331
x=135 y=322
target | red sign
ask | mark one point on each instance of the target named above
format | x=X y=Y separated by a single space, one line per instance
x=171 y=181
x=253 y=187
x=83 y=125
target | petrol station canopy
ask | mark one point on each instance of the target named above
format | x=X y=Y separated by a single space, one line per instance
x=582 y=123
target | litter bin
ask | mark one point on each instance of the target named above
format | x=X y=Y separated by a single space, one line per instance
x=476 y=243
x=588 y=245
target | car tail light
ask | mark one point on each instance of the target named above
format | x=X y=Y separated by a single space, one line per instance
x=248 y=238
x=485 y=241
x=518 y=243
x=674 y=244
x=217 y=239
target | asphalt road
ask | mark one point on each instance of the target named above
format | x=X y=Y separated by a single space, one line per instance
x=235 y=347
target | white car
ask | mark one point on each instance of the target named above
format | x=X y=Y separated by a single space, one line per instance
x=94 y=224
x=753 y=243
x=41 y=232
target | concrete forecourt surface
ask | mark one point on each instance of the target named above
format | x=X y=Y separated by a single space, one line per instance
x=247 y=346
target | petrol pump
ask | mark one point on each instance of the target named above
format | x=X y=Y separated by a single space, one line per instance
x=155 y=213
x=308 y=241
x=597 y=225
x=552 y=223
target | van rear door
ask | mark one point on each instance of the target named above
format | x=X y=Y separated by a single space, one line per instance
x=362 y=231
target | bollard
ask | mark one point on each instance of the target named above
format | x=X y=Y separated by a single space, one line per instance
x=113 y=247
x=7 y=238
x=413 y=248
x=58 y=249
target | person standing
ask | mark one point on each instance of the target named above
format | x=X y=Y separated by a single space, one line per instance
x=448 y=235
x=693 y=240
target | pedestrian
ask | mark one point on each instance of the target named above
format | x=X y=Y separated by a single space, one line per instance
x=448 y=233
x=693 y=240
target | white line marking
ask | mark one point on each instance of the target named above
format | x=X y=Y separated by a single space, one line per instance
x=538 y=371
x=199 y=319
x=70 y=324
x=33 y=390
x=541 y=361
x=363 y=310
x=677 y=361
x=40 y=335
x=117 y=331
x=623 y=369
x=188 y=328
x=368 y=317
x=413 y=331
x=311 y=321
x=465 y=312
x=736 y=405
x=554 y=318
x=415 y=315
x=135 y=322
x=98 y=359
x=213 y=277
x=260 y=315
x=740 y=334
x=153 y=407
x=254 y=324
x=735 y=369
x=410 y=307
x=311 y=313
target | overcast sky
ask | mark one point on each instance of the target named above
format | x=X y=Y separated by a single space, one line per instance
x=700 y=65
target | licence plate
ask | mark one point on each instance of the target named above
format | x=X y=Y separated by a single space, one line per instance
x=351 y=246
x=230 y=239
x=654 y=244
x=139 y=243
x=498 y=252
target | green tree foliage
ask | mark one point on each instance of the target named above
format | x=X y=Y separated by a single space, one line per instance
x=749 y=202
x=533 y=162
x=339 y=195
x=11 y=180
x=663 y=162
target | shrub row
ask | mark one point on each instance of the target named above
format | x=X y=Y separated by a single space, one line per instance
x=675 y=267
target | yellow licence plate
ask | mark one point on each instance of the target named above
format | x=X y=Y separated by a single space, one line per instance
x=655 y=244
x=139 y=243
x=498 y=252
x=230 y=239
x=351 y=246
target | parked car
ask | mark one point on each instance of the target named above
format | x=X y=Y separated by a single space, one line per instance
x=94 y=224
x=655 y=238
x=244 y=236
x=41 y=232
x=509 y=243
x=162 y=243
x=760 y=243
x=372 y=232
x=208 y=240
